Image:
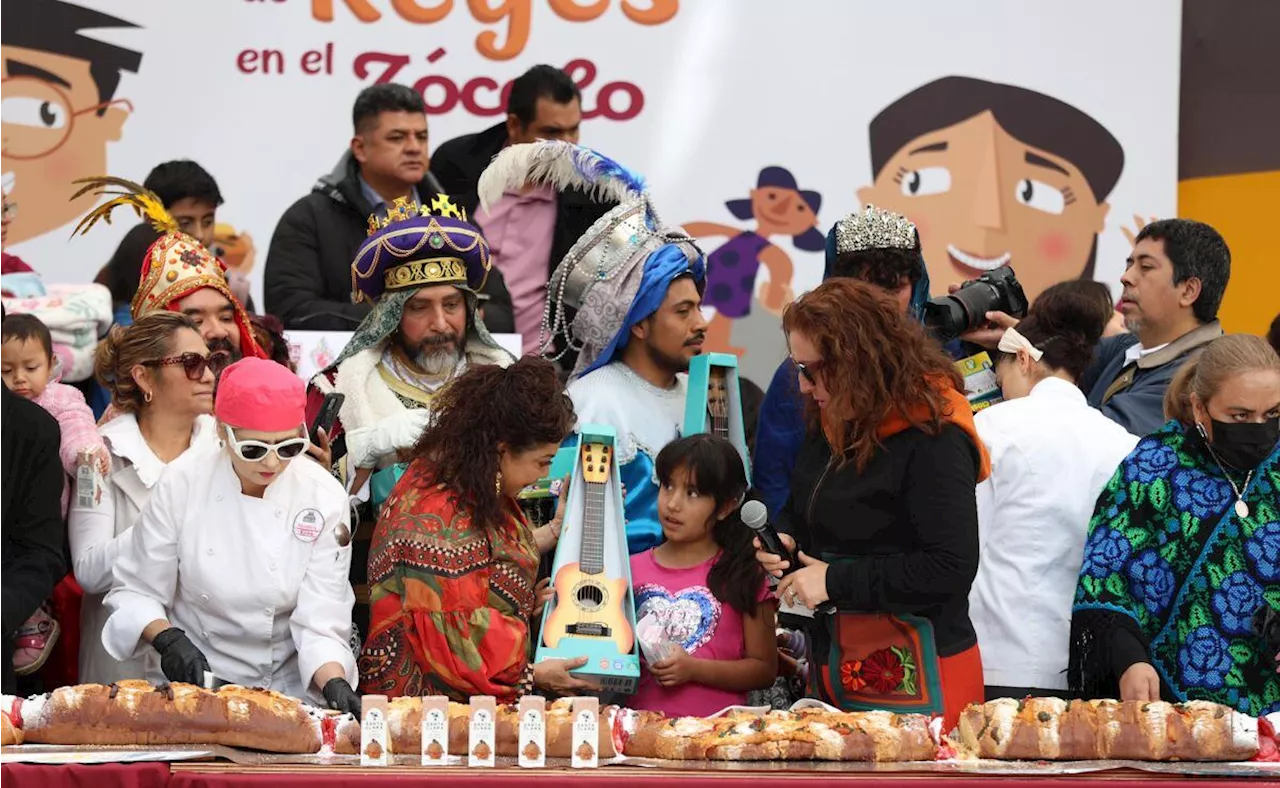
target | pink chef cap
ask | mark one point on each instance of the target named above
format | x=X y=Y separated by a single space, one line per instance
x=260 y=395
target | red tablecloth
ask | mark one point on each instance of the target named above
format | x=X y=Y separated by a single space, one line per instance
x=105 y=775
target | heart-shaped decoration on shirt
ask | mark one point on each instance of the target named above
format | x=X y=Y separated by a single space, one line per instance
x=689 y=617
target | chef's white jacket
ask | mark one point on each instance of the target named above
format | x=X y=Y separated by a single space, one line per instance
x=1051 y=455
x=100 y=526
x=260 y=585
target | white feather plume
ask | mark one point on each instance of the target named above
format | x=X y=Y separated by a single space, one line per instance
x=561 y=165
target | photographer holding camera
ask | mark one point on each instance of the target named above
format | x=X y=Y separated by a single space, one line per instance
x=1173 y=283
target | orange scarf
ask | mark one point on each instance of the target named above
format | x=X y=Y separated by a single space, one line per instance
x=956 y=411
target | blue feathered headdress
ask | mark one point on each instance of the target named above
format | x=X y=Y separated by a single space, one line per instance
x=563 y=166
x=609 y=261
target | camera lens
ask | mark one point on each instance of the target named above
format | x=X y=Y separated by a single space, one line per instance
x=950 y=316
x=945 y=317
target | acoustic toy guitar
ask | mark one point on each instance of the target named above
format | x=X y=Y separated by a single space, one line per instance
x=589 y=603
x=718 y=402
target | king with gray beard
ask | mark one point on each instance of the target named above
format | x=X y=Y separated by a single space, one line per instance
x=436 y=356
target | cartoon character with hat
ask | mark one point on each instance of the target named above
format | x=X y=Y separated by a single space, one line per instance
x=780 y=207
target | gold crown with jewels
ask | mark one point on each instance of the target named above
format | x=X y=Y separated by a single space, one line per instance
x=403 y=208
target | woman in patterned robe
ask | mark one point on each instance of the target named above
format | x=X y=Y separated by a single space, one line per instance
x=454 y=562
x=1179 y=592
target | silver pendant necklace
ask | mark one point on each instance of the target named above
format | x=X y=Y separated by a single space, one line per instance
x=1242 y=509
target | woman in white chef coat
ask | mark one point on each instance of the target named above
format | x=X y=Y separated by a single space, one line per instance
x=1051 y=455
x=238 y=564
x=161 y=379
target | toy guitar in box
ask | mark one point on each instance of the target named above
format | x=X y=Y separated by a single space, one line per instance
x=714 y=402
x=593 y=612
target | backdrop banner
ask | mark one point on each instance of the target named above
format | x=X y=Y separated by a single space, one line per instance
x=1029 y=134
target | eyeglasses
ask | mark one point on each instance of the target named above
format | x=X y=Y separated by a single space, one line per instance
x=809 y=371
x=194 y=364
x=38 y=117
x=257 y=451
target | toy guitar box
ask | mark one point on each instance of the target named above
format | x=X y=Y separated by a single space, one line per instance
x=714 y=402
x=593 y=613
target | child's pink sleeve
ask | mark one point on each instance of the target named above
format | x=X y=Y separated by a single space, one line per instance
x=766 y=591
x=75 y=418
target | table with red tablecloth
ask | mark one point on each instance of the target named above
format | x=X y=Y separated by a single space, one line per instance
x=103 y=775
x=218 y=775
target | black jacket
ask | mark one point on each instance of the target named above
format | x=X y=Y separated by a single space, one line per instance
x=33 y=533
x=458 y=164
x=307 y=281
x=901 y=536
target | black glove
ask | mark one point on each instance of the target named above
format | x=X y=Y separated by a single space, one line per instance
x=340 y=696
x=179 y=658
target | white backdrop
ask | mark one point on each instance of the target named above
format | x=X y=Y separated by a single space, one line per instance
x=729 y=87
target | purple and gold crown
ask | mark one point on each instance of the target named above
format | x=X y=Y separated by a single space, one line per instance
x=419 y=245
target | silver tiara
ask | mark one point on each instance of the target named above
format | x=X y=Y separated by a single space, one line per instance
x=874 y=228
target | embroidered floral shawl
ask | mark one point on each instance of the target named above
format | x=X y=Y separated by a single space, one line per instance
x=1169 y=559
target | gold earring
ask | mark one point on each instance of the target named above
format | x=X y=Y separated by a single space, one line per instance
x=497 y=484
x=146 y=396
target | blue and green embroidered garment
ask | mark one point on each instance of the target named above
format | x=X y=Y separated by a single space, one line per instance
x=1169 y=561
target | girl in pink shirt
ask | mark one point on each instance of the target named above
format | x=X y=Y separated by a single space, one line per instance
x=702 y=588
x=26 y=364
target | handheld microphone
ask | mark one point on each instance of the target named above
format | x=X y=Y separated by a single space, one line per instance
x=756 y=517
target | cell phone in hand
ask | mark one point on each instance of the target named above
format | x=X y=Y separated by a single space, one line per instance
x=327 y=416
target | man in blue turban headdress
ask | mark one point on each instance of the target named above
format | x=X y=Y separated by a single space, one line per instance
x=627 y=297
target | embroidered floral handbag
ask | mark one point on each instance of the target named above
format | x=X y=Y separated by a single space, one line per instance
x=878 y=661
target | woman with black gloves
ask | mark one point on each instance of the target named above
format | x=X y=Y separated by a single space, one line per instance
x=238 y=564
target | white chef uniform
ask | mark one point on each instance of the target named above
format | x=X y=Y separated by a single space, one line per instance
x=260 y=586
x=100 y=526
x=1051 y=455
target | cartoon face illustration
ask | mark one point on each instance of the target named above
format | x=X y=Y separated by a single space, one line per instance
x=995 y=175
x=59 y=108
x=781 y=211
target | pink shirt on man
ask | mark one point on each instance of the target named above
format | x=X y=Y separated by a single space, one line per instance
x=520 y=229
x=703 y=625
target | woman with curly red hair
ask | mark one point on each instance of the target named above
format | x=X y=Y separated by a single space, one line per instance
x=454 y=562
x=882 y=507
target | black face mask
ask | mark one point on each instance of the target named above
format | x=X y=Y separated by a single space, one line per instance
x=1244 y=446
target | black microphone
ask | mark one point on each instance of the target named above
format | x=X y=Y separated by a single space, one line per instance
x=756 y=517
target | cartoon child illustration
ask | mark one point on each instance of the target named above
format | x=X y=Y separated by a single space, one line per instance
x=59 y=107
x=995 y=175
x=780 y=207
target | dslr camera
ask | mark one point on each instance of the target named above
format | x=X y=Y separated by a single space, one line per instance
x=949 y=316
